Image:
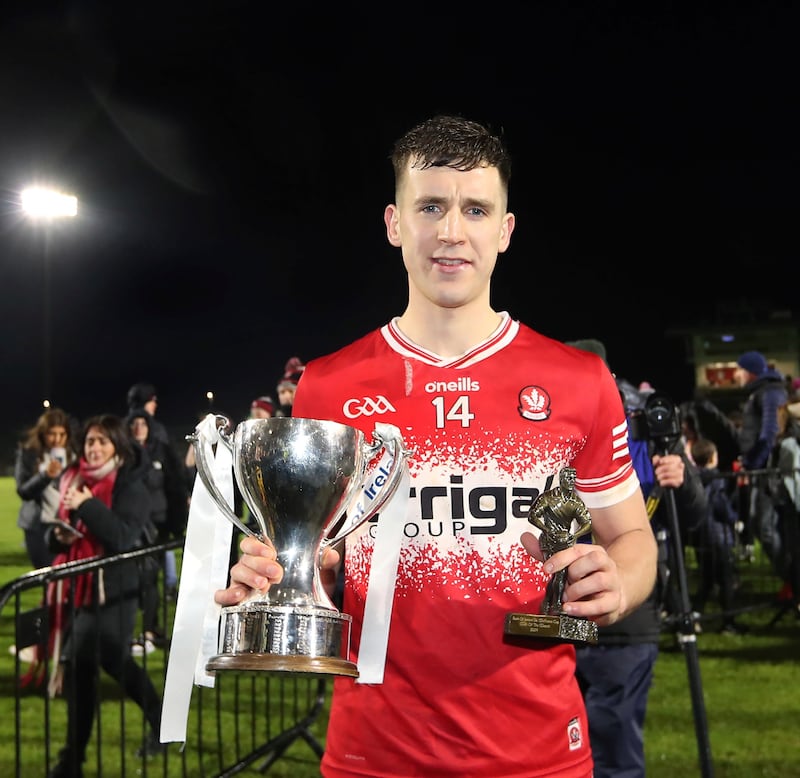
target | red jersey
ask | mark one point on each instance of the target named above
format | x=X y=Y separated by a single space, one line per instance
x=490 y=430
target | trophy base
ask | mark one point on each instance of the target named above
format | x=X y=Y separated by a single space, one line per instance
x=551 y=627
x=277 y=663
x=260 y=637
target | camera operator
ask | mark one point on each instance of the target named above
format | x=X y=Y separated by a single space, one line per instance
x=615 y=675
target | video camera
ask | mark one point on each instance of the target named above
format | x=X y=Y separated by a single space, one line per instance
x=659 y=421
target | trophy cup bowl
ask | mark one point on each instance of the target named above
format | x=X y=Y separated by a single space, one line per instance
x=300 y=478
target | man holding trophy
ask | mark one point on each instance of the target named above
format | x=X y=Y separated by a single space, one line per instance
x=490 y=410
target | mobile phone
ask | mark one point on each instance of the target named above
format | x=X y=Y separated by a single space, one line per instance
x=63 y=524
x=59 y=453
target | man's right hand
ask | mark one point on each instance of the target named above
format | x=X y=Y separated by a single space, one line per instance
x=256 y=570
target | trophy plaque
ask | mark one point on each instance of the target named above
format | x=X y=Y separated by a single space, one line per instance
x=302 y=480
x=554 y=512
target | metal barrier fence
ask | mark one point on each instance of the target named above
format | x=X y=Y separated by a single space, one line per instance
x=765 y=542
x=244 y=725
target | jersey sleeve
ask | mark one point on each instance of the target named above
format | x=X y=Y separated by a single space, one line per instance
x=605 y=471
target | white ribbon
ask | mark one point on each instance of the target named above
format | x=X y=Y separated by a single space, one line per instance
x=206 y=554
x=383 y=570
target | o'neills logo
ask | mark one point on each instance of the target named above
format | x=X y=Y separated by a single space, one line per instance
x=462 y=384
x=367 y=406
x=534 y=403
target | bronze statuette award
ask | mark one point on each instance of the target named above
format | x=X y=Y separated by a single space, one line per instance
x=554 y=513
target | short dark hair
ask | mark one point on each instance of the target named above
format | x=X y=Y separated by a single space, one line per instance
x=702 y=451
x=139 y=394
x=451 y=141
x=116 y=430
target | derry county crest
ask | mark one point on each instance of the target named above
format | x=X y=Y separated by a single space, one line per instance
x=534 y=403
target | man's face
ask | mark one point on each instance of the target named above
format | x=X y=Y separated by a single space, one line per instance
x=451 y=225
x=741 y=376
x=286 y=395
x=151 y=406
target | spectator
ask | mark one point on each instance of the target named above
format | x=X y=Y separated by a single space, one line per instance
x=105 y=500
x=766 y=392
x=263 y=408
x=489 y=407
x=142 y=397
x=716 y=537
x=40 y=461
x=688 y=429
x=143 y=400
x=756 y=437
x=287 y=385
x=615 y=675
x=784 y=490
x=170 y=508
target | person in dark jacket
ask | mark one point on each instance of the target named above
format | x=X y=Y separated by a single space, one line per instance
x=165 y=477
x=170 y=509
x=716 y=538
x=142 y=397
x=287 y=385
x=615 y=675
x=104 y=506
x=756 y=439
x=766 y=392
x=40 y=460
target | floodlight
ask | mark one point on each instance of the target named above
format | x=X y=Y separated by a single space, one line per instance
x=41 y=203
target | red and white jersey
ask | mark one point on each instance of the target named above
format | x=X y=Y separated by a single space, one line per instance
x=490 y=430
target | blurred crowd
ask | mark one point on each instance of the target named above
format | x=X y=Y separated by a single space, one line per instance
x=734 y=474
x=99 y=486
x=716 y=483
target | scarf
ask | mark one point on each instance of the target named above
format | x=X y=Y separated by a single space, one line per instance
x=100 y=481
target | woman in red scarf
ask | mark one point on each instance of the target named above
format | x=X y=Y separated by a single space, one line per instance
x=104 y=498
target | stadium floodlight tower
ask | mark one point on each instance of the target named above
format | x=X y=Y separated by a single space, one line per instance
x=44 y=207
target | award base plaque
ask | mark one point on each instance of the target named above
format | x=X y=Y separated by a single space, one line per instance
x=557 y=627
x=269 y=638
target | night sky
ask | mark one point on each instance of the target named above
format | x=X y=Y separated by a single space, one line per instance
x=231 y=162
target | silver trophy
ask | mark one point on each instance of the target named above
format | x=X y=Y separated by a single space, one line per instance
x=302 y=480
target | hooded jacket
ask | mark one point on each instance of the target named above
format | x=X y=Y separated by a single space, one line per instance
x=164 y=477
x=760 y=418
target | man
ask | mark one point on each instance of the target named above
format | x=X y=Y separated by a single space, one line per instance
x=490 y=410
x=616 y=674
x=766 y=392
x=143 y=404
x=169 y=500
x=287 y=385
x=142 y=397
x=756 y=438
x=262 y=408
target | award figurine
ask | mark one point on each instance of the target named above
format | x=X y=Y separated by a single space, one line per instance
x=554 y=513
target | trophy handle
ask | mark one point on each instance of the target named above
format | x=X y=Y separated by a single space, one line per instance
x=385 y=436
x=203 y=455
